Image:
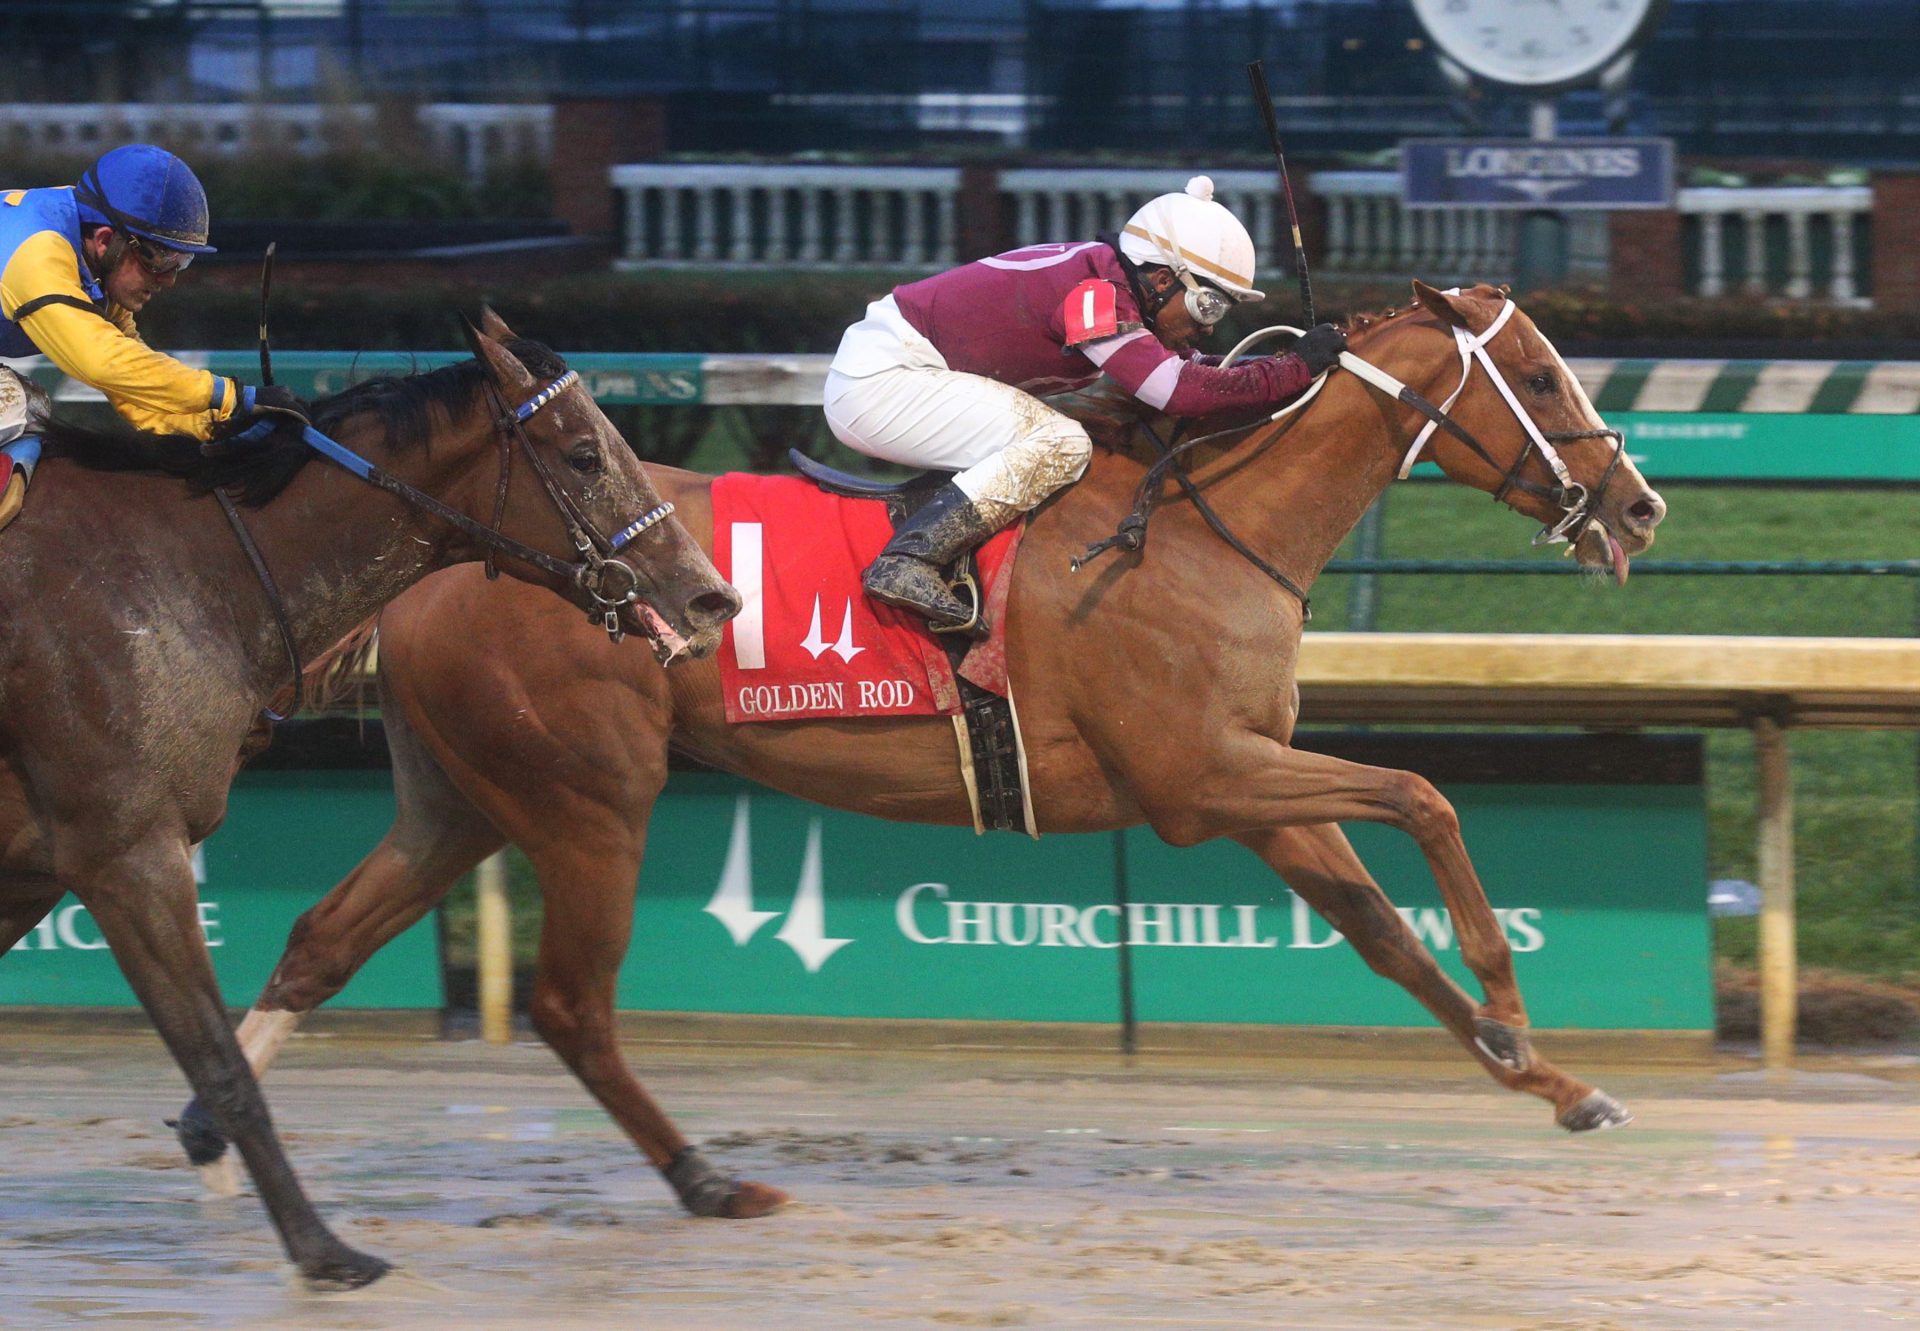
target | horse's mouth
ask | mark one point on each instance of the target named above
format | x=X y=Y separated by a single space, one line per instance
x=669 y=646
x=1598 y=548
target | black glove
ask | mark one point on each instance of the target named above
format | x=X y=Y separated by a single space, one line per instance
x=274 y=400
x=262 y=411
x=1319 y=348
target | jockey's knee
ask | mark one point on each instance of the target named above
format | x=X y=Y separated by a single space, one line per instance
x=1069 y=442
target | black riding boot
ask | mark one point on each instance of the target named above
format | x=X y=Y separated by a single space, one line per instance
x=907 y=573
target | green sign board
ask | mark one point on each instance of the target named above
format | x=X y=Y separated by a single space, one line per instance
x=753 y=902
x=1768 y=446
x=288 y=838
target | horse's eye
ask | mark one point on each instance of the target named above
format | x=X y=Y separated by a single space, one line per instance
x=1541 y=383
x=585 y=459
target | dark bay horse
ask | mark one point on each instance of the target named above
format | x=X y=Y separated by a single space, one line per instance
x=137 y=646
x=1154 y=688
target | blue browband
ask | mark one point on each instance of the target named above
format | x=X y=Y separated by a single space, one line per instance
x=627 y=533
x=546 y=395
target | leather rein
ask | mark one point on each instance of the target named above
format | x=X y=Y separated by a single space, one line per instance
x=1576 y=502
x=607 y=582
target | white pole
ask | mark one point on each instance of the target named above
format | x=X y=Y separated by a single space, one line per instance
x=1779 y=983
x=493 y=949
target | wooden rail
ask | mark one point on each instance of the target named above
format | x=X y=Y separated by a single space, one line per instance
x=1771 y=685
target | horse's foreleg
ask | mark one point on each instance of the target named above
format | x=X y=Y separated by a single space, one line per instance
x=1319 y=863
x=1264 y=784
x=588 y=894
x=145 y=906
x=22 y=911
x=387 y=893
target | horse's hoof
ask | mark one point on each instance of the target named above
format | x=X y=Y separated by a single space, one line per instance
x=199 y=1137
x=1598 y=1110
x=1504 y=1044
x=749 y=1200
x=342 y=1270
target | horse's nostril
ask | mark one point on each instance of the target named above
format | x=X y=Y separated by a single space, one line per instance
x=1646 y=512
x=715 y=607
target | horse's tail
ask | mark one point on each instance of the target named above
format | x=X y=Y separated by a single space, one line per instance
x=339 y=671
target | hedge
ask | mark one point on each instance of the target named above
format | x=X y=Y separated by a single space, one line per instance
x=806 y=312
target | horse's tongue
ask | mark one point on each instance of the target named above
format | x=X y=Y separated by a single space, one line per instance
x=1619 y=559
x=663 y=634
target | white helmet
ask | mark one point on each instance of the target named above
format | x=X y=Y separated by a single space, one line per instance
x=1196 y=238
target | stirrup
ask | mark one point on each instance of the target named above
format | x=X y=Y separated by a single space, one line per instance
x=975 y=625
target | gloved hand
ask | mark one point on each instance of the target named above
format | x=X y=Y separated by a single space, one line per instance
x=274 y=400
x=1319 y=348
x=262 y=410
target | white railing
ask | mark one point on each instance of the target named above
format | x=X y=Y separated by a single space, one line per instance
x=1368 y=234
x=1837 y=209
x=1079 y=203
x=475 y=136
x=767 y=215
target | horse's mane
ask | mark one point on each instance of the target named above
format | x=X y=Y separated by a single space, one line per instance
x=404 y=404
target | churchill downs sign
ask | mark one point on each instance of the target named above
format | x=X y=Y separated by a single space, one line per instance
x=757 y=903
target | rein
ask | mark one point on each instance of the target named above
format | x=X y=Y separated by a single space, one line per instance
x=591 y=573
x=1575 y=501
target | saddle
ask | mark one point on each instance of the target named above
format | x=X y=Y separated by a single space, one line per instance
x=903 y=500
x=996 y=779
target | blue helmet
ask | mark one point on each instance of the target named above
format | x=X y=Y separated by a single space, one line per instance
x=146 y=191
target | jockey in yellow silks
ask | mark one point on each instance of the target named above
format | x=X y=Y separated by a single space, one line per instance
x=77 y=263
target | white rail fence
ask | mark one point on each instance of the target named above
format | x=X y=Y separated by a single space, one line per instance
x=1823 y=225
x=475 y=137
x=1077 y=203
x=787 y=216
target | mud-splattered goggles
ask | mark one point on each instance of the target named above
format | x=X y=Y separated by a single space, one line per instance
x=1208 y=305
x=158 y=260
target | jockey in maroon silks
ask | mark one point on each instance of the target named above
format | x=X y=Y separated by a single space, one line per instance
x=945 y=372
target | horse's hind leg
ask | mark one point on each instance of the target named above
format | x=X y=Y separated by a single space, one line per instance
x=587 y=882
x=145 y=905
x=1319 y=863
x=437 y=836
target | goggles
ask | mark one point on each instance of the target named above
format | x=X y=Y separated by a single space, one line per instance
x=158 y=260
x=1207 y=305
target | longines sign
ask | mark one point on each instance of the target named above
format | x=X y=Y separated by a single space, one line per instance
x=1537 y=173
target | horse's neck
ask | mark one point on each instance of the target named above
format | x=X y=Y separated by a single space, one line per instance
x=1294 y=499
x=340 y=549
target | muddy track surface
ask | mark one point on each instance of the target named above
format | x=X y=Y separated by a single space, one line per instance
x=974 y=1191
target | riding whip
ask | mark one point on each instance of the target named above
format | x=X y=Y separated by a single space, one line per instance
x=266 y=290
x=1258 y=78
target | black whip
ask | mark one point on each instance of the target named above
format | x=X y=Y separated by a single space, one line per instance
x=266 y=290
x=1258 y=78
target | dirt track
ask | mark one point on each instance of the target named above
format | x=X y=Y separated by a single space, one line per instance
x=1012 y=1190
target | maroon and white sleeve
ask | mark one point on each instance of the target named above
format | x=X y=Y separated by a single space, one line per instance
x=1180 y=386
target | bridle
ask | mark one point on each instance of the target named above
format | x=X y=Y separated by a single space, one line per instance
x=1576 y=502
x=1568 y=495
x=606 y=582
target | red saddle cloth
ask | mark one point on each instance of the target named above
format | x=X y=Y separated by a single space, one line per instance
x=809 y=642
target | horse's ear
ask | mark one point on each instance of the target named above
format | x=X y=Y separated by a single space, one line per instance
x=493 y=325
x=1450 y=310
x=504 y=367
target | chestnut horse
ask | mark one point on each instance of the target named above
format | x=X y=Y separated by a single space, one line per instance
x=1154 y=688
x=138 y=644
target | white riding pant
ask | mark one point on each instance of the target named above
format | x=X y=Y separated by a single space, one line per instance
x=891 y=396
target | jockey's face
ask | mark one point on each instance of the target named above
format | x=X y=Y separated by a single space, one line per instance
x=1174 y=325
x=130 y=284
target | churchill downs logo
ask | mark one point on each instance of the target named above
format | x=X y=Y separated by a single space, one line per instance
x=928 y=914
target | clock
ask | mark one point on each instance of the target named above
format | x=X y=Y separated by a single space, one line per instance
x=1540 y=45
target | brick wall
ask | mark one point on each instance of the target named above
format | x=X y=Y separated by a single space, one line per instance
x=590 y=135
x=1896 y=240
x=1647 y=260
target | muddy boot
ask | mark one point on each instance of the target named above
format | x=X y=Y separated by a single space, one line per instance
x=907 y=573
